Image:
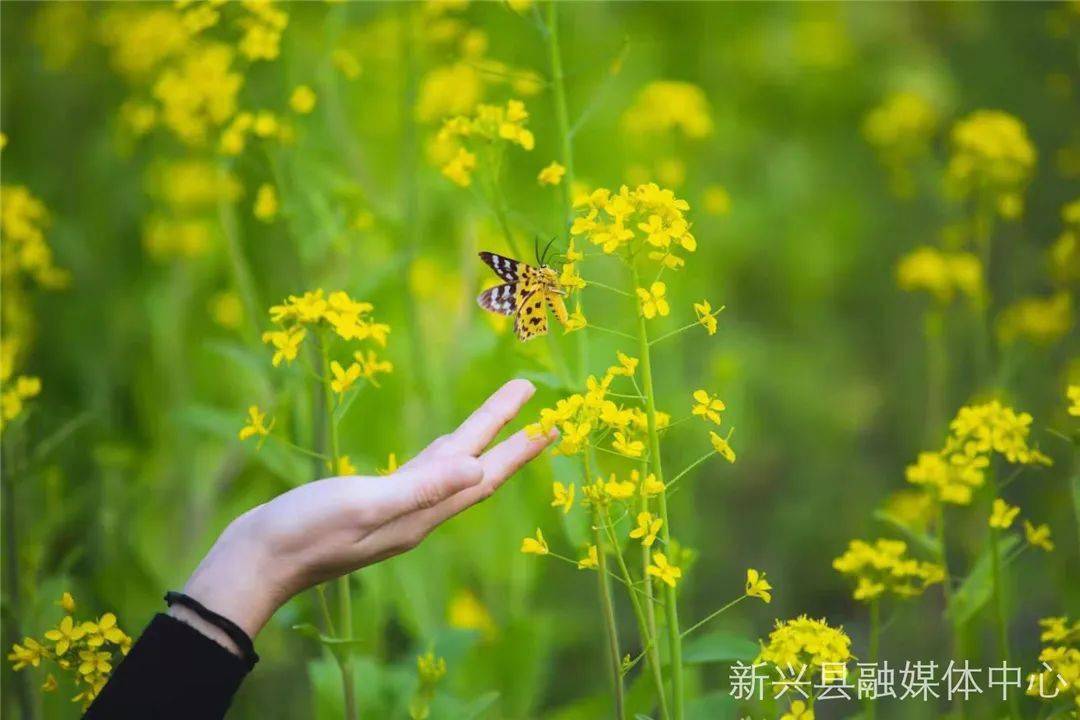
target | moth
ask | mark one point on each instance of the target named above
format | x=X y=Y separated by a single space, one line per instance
x=526 y=293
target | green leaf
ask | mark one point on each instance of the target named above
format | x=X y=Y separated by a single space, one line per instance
x=974 y=592
x=479 y=706
x=719 y=647
x=337 y=646
x=924 y=541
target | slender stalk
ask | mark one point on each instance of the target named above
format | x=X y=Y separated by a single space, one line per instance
x=647 y=638
x=343 y=587
x=1000 y=618
x=238 y=266
x=716 y=613
x=12 y=592
x=608 y=609
x=566 y=148
x=936 y=371
x=674 y=637
x=690 y=467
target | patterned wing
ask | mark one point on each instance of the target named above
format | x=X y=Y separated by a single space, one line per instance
x=506 y=268
x=555 y=302
x=501 y=299
x=531 y=317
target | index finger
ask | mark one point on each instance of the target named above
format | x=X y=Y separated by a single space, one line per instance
x=480 y=428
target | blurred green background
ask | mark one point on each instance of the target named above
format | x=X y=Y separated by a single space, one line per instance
x=147 y=369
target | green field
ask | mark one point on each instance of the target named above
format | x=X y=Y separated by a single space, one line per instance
x=880 y=204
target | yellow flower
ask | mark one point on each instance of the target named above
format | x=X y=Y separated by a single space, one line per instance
x=302 y=99
x=266 y=203
x=631 y=448
x=285 y=342
x=344 y=379
x=103 y=631
x=805 y=642
x=1073 y=394
x=227 y=309
x=798 y=710
x=708 y=406
x=1003 y=514
x=346 y=63
x=647 y=527
x=552 y=174
x=576 y=321
x=885 y=565
x=706 y=317
x=345 y=466
x=662 y=569
x=665 y=106
x=563 y=496
x=992 y=157
x=1039 y=536
x=459 y=169
x=650 y=486
x=391 y=465
x=255 y=424
x=627 y=365
x=940 y=273
x=535 y=546
x=30 y=652
x=1041 y=320
x=619 y=489
x=371 y=366
x=50 y=684
x=867 y=589
x=67 y=602
x=721 y=446
x=468 y=613
x=757 y=586
x=66 y=633
x=652 y=300
x=590 y=561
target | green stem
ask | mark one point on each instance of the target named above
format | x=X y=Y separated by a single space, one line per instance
x=13 y=599
x=716 y=613
x=674 y=637
x=936 y=371
x=566 y=148
x=647 y=639
x=343 y=586
x=1000 y=617
x=608 y=609
x=238 y=265
x=690 y=467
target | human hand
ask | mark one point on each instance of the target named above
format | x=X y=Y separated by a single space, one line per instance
x=333 y=526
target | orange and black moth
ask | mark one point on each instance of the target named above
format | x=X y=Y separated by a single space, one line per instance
x=526 y=293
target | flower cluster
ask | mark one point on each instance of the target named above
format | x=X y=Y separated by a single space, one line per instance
x=1040 y=320
x=86 y=650
x=1057 y=678
x=805 y=642
x=15 y=394
x=429 y=670
x=942 y=274
x=1064 y=254
x=628 y=220
x=591 y=418
x=884 y=567
x=667 y=105
x=976 y=433
x=489 y=124
x=346 y=318
x=992 y=160
x=23 y=221
x=186 y=194
x=900 y=130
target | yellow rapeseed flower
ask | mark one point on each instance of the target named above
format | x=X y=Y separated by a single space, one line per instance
x=885 y=566
x=391 y=465
x=591 y=561
x=992 y=157
x=706 y=317
x=805 y=642
x=721 y=446
x=660 y=568
x=266 y=203
x=563 y=496
x=552 y=174
x=66 y=633
x=302 y=100
x=1039 y=536
x=757 y=586
x=652 y=301
x=535 y=546
x=627 y=446
x=708 y=406
x=1003 y=514
x=647 y=527
x=256 y=424
x=344 y=378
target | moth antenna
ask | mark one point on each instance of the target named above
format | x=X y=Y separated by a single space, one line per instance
x=536 y=249
x=546 y=248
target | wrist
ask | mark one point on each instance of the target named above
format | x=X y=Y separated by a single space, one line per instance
x=237 y=580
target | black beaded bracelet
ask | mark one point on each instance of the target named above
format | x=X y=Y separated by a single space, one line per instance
x=227 y=626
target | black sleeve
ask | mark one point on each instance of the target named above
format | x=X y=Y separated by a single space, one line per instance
x=172 y=671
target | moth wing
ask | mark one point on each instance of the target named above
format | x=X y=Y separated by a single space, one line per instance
x=531 y=317
x=501 y=299
x=555 y=302
x=506 y=268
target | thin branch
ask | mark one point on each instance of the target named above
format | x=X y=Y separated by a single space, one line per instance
x=689 y=468
x=609 y=330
